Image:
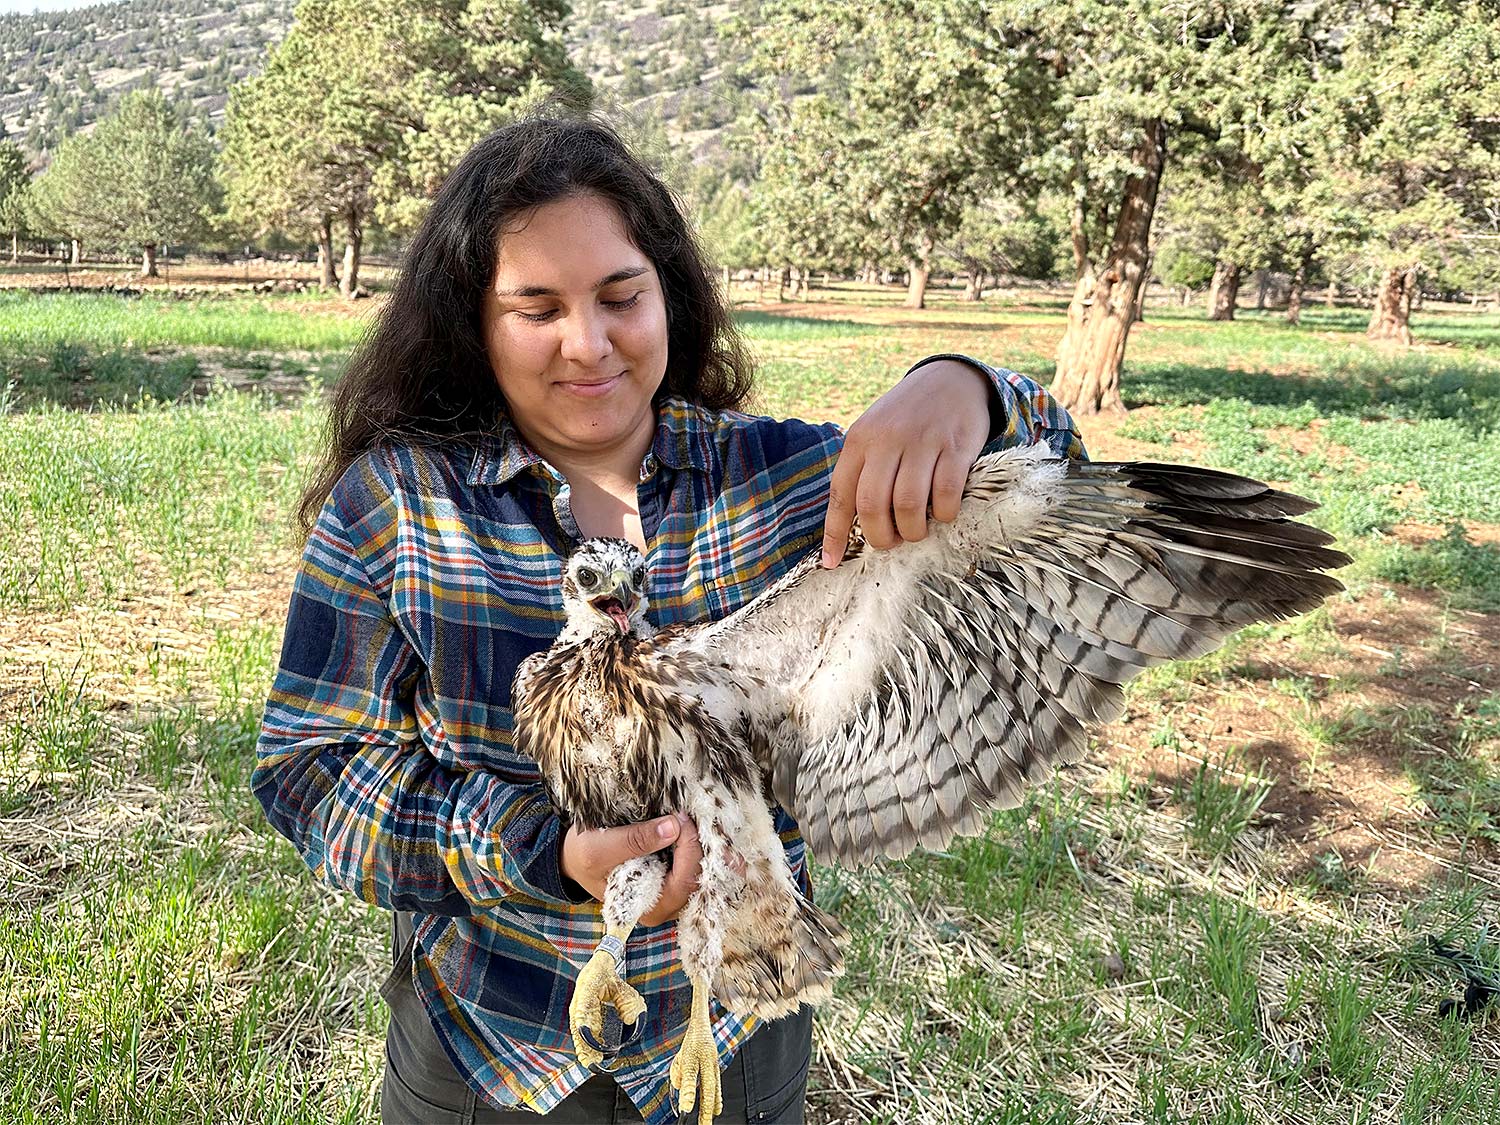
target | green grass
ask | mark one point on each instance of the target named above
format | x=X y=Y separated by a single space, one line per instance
x=40 y=322
x=177 y=967
x=99 y=506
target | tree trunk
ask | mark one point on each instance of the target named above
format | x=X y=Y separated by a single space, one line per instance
x=1391 y=317
x=801 y=290
x=1299 y=283
x=1262 y=285
x=75 y=253
x=148 y=260
x=974 y=290
x=1332 y=294
x=355 y=237
x=783 y=279
x=1224 y=291
x=15 y=247
x=1140 y=304
x=328 y=278
x=919 y=268
x=1092 y=351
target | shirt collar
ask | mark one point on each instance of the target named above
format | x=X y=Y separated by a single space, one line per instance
x=684 y=440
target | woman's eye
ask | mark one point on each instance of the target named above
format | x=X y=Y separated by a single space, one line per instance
x=588 y=579
x=618 y=306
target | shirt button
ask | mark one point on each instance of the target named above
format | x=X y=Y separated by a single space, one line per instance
x=650 y=463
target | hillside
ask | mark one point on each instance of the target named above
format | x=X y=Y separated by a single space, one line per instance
x=63 y=69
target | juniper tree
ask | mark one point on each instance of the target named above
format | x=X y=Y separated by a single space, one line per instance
x=366 y=105
x=141 y=179
x=15 y=180
x=1411 y=140
x=898 y=139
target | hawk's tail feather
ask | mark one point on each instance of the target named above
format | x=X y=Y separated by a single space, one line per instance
x=772 y=971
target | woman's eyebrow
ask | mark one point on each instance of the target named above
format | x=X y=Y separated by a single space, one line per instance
x=542 y=291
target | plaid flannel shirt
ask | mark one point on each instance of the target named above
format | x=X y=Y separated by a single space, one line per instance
x=385 y=751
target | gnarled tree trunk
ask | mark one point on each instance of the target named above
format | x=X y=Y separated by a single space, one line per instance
x=355 y=237
x=148 y=260
x=783 y=279
x=328 y=278
x=1224 y=291
x=1391 y=317
x=974 y=289
x=1092 y=351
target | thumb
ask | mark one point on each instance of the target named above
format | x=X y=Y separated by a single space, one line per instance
x=644 y=838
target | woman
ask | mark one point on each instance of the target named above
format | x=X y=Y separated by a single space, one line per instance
x=554 y=363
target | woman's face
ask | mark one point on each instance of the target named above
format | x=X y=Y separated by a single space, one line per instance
x=575 y=324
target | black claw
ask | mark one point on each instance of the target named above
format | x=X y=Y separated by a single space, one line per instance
x=615 y=1038
x=634 y=1031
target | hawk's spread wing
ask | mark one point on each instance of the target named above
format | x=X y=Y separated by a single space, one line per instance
x=906 y=694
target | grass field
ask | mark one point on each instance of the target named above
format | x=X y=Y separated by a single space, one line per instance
x=1234 y=911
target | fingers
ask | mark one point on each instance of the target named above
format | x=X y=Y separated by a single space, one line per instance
x=909 y=453
x=910 y=492
x=949 y=476
x=682 y=876
x=873 y=497
x=841 y=501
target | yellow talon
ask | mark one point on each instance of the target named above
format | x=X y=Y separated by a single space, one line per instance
x=695 y=1069
x=598 y=984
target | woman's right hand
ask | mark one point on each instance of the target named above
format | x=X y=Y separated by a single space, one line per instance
x=588 y=858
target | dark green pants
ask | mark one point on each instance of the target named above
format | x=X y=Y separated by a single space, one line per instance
x=766 y=1082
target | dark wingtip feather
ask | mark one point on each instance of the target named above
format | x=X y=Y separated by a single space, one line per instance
x=1191 y=485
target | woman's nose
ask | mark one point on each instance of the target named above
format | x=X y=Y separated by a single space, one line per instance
x=585 y=338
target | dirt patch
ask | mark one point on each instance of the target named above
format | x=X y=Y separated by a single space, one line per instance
x=1337 y=725
x=135 y=650
x=1415 y=534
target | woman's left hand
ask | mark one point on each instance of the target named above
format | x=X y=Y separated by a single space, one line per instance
x=911 y=450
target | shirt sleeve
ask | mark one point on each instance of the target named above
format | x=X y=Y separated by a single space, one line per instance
x=341 y=768
x=1022 y=411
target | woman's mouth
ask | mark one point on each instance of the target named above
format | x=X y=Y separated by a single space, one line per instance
x=592 y=388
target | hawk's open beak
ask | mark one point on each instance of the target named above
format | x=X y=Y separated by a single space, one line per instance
x=617 y=601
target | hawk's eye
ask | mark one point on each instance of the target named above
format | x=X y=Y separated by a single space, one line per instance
x=638 y=579
x=587 y=578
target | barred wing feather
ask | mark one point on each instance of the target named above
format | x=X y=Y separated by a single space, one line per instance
x=899 y=699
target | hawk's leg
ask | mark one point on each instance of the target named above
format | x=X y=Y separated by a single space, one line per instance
x=631 y=890
x=695 y=1069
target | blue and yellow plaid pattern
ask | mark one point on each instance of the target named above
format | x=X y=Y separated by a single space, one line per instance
x=385 y=752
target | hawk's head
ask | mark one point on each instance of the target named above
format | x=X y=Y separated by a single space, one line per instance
x=604 y=590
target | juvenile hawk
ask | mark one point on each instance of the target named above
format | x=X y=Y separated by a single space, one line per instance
x=888 y=704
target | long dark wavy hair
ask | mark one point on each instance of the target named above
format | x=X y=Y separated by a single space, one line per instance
x=422 y=374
